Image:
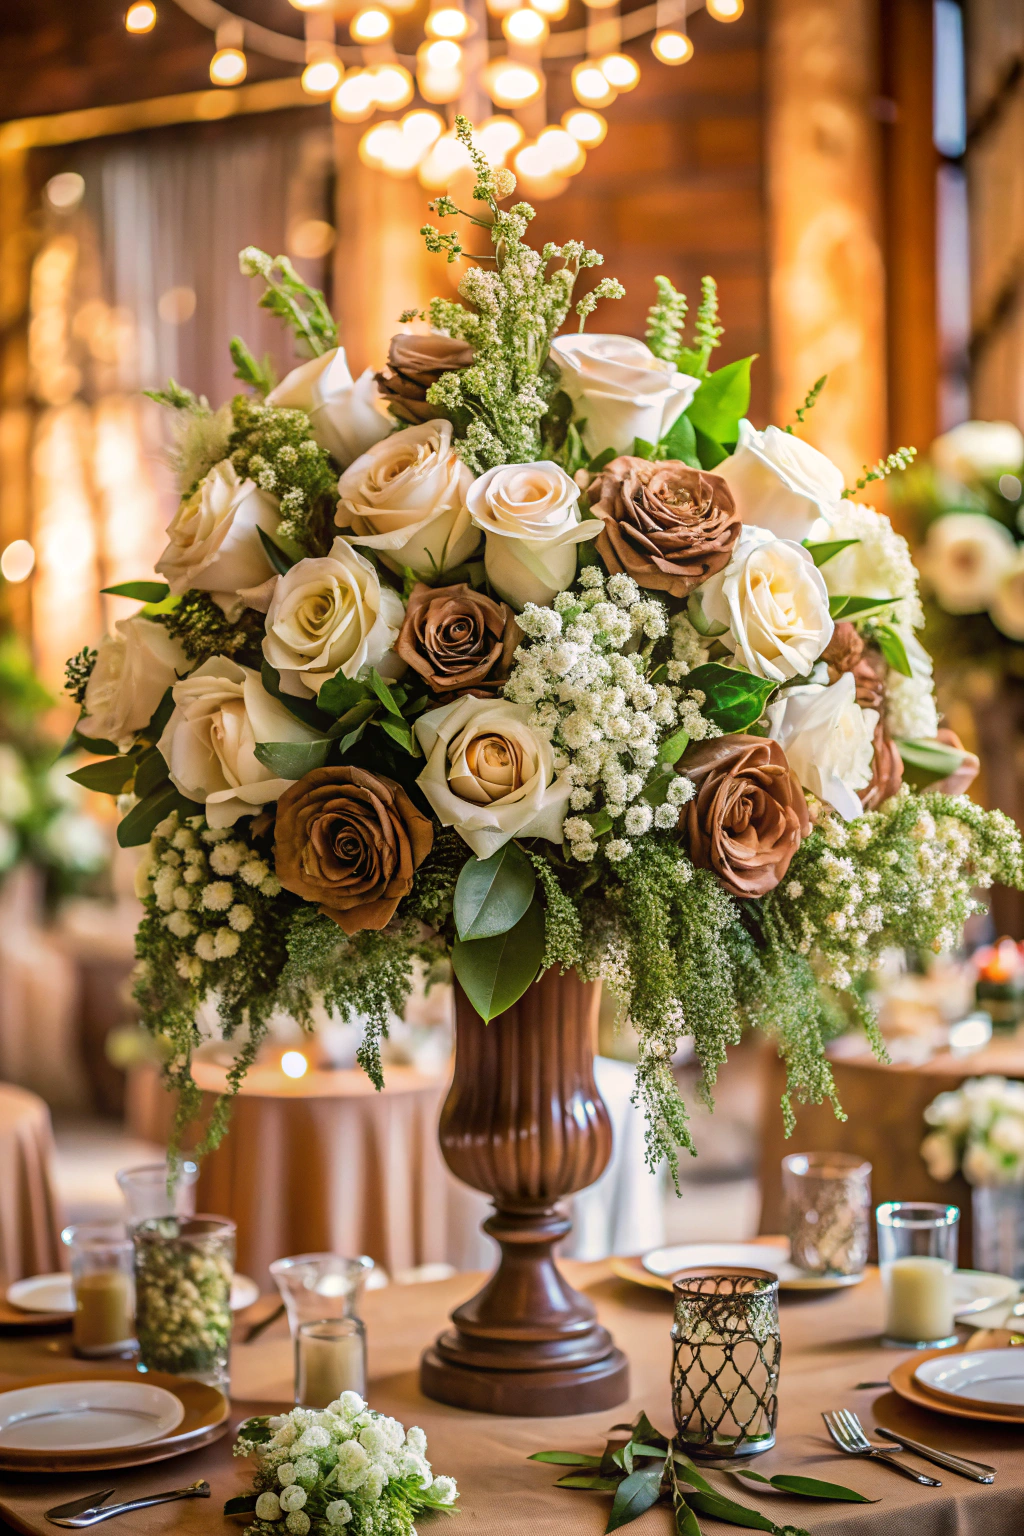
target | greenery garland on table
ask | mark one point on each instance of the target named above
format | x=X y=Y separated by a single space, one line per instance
x=571 y=667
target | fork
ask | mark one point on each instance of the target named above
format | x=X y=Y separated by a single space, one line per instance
x=845 y=1429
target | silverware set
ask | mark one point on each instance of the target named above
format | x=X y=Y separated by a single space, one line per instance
x=848 y=1433
x=90 y=1510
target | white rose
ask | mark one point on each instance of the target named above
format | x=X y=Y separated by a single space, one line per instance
x=215 y=544
x=780 y=482
x=406 y=497
x=980 y=1167
x=1007 y=1135
x=1007 y=609
x=939 y=1154
x=530 y=515
x=977 y=448
x=620 y=390
x=827 y=739
x=330 y=615
x=221 y=711
x=134 y=668
x=344 y=413
x=772 y=599
x=965 y=556
x=490 y=774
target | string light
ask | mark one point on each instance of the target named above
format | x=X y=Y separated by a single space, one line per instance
x=355 y=98
x=441 y=163
x=311 y=5
x=140 y=17
x=590 y=85
x=321 y=76
x=587 y=128
x=294 y=1064
x=371 y=25
x=228 y=66
x=439 y=70
x=525 y=26
x=725 y=10
x=18 y=561
x=498 y=137
x=447 y=22
x=672 y=47
x=552 y=10
x=392 y=86
x=562 y=152
x=502 y=7
x=534 y=170
x=510 y=83
x=621 y=72
x=422 y=127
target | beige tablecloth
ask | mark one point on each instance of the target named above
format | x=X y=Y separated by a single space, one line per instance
x=29 y=1218
x=829 y=1345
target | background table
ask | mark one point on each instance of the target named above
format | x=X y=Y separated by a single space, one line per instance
x=29 y=1217
x=829 y=1344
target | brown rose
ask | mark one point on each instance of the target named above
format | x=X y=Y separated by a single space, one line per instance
x=886 y=771
x=349 y=841
x=847 y=652
x=667 y=526
x=960 y=780
x=749 y=814
x=458 y=640
x=414 y=363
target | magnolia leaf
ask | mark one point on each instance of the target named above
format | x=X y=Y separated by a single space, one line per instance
x=340 y=694
x=722 y=399
x=111 y=777
x=492 y=894
x=734 y=699
x=303 y=709
x=926 y=762
x=565 y=1458
x=854 y=608
x=593 y=1482
x=151 y=772
x=494 y=973
x=890 y=643
x=137 y=826
x=292 y=759
x=142 y=591
x=242 y=1504
x=819 y=553
x=383 y=693
x=281 y=562
x=399 y=731
x=634 y=1496
x=805 y=1487
x=709 y=628
x=680 y=442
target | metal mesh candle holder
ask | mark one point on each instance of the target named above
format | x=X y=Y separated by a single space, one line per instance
x=828 y=1211
x=725 y=1365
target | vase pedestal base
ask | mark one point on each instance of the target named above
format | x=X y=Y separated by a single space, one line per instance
x=526 y=1394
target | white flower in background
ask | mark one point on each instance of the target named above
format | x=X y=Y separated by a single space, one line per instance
x=827 y=739
x=980 y=1165
x=620 y=390
x=530 y=515
x=406 y=499
x=911 y=713
x=330 y=615
x=15 y=788
x=1007 y=608
x=134 y=668
x=964 y=558
x=781 y=483
x=77 y=842
x=978 y=448
x=772 y=599
x=344 y=412
x=215 y=544
x=940 y=1156
x=1007 y=1135
x=221 y=711
x=490 y=773
x=878 y=565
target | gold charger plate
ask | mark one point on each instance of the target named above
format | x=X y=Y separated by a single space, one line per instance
x=207 y=1414
x=903 y=1383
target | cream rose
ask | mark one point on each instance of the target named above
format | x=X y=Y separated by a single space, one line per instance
x=330 y=615
x=827 y=739
x=620 y=389
x=406 y=498
x=490 y=774
x=134 y=668
x=977 y=448
x=530 y=515
x=772 y=599
x=344 y=412
x=781 y=483
x=1007 y=607
x=215 y=544
x=965 y=558
x=221 y=712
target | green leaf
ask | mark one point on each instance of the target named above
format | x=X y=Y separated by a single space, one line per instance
x=492 y=894
x=242 y=1504
x=853 y=608
x=709 y=628
x=686 y=1521
x=598 y=463
x=819 y=553
x=281 y=562
x=636 y=1494
x=672 y=750
x=142 y=591
x=495 y=973
x=642 y=1429
x=399 y=731
x=734 y=699
x=925 y=762
x=680 y=442
x=292 y=759
x=600 y=821
x=353 y=736
x=723 y=397
x=890 y=643
x=137 y=827
x=340 y=694
x=257 y=1430
x=383 y=693
x=804 y=1487
x=642 y=449
x=152 y=772
x=709 y=452
x=565 y=1458
x=357 y=715
x=594 y=1483
x=303 y=709
x=686 y=1472
x=111 y=777
x=736 y=1514
x=160 y=716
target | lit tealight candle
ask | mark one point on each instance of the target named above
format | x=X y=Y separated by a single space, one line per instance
x=294 y=1064
x=330 y=1358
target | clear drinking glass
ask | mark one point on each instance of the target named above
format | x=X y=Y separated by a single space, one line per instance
x=316 y=1287
x=330 y=1358
x=828 y=1209
x=101 y=1276
x=148 y=1192
x=183 y=1271
x=917 y=1253
x=725 y=1366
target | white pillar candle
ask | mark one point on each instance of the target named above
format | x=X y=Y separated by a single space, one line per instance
x=327 y=1367
x=919 y=1299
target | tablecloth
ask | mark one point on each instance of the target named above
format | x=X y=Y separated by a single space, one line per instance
x=29 y=1217
x=829 y=1345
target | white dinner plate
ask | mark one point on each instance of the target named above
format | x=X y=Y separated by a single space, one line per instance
x=85 y=1415
x=773 y=1257
x=981 y=1375
x=53 y=1293
x=974 y=1291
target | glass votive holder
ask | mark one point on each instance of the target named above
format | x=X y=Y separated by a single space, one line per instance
x=725 y=1363
x=330 y=1358
x=101 y=1277
x=184 y=1266
x=917 y=1254
x=317 y=1286
x=159 y=1189
x=828 y=1211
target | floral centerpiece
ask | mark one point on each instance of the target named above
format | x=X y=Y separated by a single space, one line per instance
x=977 y=1129
x=529 y=652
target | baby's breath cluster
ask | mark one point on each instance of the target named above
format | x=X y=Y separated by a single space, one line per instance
x=276 y=449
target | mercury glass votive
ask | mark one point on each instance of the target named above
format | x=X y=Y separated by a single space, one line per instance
x=917 y=1255
x=101 y=1277
x=330 y=1358
x=725 y=1364
x=828 y=1211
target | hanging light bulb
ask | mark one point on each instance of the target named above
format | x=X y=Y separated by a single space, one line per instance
x=502 y=7
x=671 y=47
x=620 y=71
x=387 y=148
x=498 y=137
x=140 y=17
x=551 y=10
x=725 y=10
x=587 y=128
x=371 y=25
x=563 y=153
x=510 y=83
x=392 y=86
x=310 y=5
x=590 y=85
x=321 y=76
x=355 y=98
x=442 y=54
x=228 y=66
x=447 y=21
x=536 y=173
x=442 y=161
x=525 y=26
x=439 y=71
x=422 y=127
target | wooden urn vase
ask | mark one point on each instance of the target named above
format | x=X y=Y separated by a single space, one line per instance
x=524 y=1122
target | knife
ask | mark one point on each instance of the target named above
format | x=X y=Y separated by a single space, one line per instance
x=90 y=1510
x=977 y=1471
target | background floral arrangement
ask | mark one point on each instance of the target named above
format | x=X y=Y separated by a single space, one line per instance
x=977 y=1129
x=573 y=668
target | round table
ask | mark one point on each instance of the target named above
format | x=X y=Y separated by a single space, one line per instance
x=29 y=1217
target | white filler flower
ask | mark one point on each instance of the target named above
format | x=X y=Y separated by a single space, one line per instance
x=620 y=390
x=772 y=599
x=780 y=482
x=344 y=413
x=531 y=518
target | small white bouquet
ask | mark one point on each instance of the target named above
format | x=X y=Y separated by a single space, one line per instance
x=978 y=1129
x=342 y=1471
